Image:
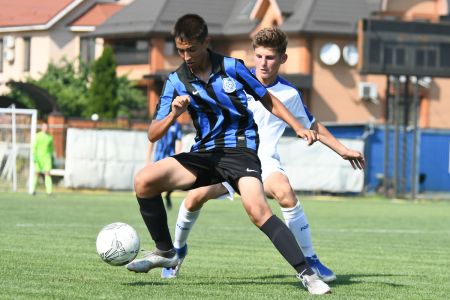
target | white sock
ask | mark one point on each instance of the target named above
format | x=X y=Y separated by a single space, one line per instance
x=185 y=221
x=296 y=221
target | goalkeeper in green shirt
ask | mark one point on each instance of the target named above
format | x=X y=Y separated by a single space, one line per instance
x=42 y=157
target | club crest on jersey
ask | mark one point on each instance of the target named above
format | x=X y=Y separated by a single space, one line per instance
x=228 y=85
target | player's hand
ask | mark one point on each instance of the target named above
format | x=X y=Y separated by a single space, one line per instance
x=180 y=104
x=355 y=158
x=311 y=136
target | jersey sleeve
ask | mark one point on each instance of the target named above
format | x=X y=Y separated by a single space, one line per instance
x=165 y=100
x=251 y=84
x=297 y=107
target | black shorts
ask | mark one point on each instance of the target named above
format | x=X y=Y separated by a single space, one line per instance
x=219 y=165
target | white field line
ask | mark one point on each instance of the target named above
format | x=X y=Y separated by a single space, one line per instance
x=245 y=228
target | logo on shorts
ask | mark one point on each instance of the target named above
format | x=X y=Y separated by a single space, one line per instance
x=228 y=85
x=251 y=170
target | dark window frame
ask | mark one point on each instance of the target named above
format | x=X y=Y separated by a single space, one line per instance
x=87 y=49
x=26 y=53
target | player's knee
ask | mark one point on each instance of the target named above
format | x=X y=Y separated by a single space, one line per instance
x=194 y=200
x=284 y=195
x=259 y=215
x=192 y=204
x=141 y=183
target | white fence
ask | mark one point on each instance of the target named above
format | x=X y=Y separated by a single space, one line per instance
x=110 y=158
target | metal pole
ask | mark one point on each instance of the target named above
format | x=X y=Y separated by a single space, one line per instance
x=386 y=137
x=14 y=148
x=405 y=135
x=32 y=139
x=396 y=135
x=414 y=175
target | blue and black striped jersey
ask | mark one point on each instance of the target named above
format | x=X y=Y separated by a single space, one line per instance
x=218 y=107
x=166 y=145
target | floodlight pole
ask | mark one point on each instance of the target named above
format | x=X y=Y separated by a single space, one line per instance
x=414 y=177
x=387 y=113
x=405 y=136
x=396 y=134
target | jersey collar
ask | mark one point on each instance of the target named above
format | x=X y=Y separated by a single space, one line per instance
x=216 y=62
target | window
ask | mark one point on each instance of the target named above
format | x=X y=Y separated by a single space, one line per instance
x=169 y=47
x=131 y=51
x=87 y=49
x=27 y=53
x=1 y=55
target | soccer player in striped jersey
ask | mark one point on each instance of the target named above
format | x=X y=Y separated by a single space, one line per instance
x=168 y=145
x=214 y=89
x=269 y=46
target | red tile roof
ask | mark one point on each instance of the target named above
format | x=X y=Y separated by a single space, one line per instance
x=29 y=12
x=97 y=14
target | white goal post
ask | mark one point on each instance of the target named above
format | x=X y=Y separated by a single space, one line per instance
x=17 y=134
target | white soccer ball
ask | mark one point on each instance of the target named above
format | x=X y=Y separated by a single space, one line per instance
x=118 y=244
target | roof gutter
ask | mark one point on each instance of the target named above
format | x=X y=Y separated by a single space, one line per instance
x=46 y=26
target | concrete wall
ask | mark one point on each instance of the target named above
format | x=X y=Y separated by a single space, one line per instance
x=334 y=95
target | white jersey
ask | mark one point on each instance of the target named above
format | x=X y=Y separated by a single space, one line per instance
x=270 y=127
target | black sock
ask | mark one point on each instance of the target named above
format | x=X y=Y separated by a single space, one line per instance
x=155 y=217
x=168 y=200
x=285 y=242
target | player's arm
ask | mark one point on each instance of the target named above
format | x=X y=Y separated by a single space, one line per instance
x=170 y=107
x=276 y=107
x=255 y=88
x=355 y=158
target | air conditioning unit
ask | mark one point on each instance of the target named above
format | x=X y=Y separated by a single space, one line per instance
x=368 y=91
x=9 y=41
x=8 y=55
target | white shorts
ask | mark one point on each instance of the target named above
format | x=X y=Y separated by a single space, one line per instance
x=269 y=165
x=230 y=194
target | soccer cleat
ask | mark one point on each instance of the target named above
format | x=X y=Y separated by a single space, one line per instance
x=322 y=271
x=314 y=285
x=155 y=259
x=173 y=271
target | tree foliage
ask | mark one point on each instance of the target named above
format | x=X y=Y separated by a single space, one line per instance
x=103 y=90
x=83 y=91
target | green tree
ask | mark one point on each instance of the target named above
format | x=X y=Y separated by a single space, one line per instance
x=131 y=99
x=102 y=93
x=67 y=85
x=107 y=95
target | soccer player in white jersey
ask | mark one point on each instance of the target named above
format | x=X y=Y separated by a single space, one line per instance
x=269 y=46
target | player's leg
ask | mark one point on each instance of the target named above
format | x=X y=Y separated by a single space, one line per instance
x=187 y=216
x=47 y=166
x=190 y=210
x=277 y=186
x=252 y=194
x=48 y=183
x=38 y=170
x=35 y=182
x=168 y=199
x=164 y=175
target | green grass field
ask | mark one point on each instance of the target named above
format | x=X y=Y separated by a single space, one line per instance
x=379 y=249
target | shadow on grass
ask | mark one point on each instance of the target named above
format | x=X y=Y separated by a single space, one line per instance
x=144 y=283
x=350 y=279
x=279 y=279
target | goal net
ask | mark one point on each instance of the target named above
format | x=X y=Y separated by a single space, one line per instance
x=17 y=132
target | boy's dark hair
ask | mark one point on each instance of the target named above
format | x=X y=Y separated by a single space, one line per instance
x=190 y=27
x=271 y=37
